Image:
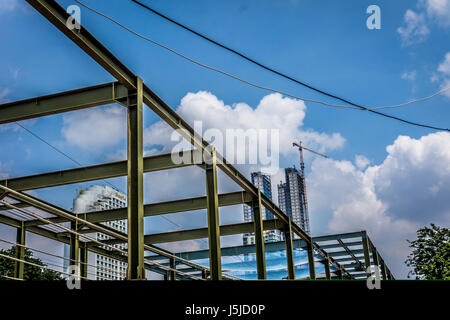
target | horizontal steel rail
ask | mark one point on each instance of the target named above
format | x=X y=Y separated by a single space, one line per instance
x=63 y=102
x=92 y=173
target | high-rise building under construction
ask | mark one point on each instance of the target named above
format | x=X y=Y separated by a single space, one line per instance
x=290 y=198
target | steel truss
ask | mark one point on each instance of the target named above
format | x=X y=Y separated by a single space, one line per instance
x=130 y=92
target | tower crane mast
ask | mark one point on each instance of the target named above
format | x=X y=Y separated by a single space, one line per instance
x=304 y=201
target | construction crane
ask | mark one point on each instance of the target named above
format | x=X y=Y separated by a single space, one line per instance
x=304 y=201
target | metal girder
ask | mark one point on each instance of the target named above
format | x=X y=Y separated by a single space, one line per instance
x=347 y=259
x=345 y=253
x=311 y=264
x=289 y=251
x=19 y=205
x=91 y=173
x=62 y=102
x=58 y=17
x=83 y=260
x=20 y=253
x=338 y=245
x=212 y=203
x=366 y=252
x=192 y=234
x=338 y=236
x=153 y=209
x=74 y=245
x=135 y=183
x=350 y=253
x=259 y=237
x=326 y=264
x=10 y=221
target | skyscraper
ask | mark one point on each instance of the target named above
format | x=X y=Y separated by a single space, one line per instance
x=263 y=182
x=98 y=198
x=290 y=198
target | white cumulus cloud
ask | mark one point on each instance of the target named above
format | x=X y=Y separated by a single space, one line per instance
x=438 y=10
x=415 y=29
x=95 y=128
x=408 y=190
x=443 y=72
x=273 y=112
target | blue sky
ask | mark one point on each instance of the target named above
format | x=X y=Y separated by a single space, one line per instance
x=323 y=43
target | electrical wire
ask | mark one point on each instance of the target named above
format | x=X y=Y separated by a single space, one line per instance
x=56 y=256
x=91 y=239
x=59 y=151
x=37 y=265
x=10 y=278
x=273 y=70
x=100 y=229
x=351 y=106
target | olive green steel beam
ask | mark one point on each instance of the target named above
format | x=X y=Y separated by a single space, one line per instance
x=339 y=260
x=83 y=260
x=53 y=209
x=20 y=252
x=259 y=237
x=366 y=252
x=135 y=182
x=338 y=245
x=375 y=261
x=91 y=173
x=154 y=209
x=95 y=249
x=10 y=221
x=326 y=263
x=345 y=253
x=192 y=234
x=62 y=102
x=341 y=236
x=19 y=205
x=246 y=249
x=311 y=264
x=74 y=245
x=58 y=17
x=350 y=253
x=212 y=202
x=289 y=250
x=384 y=268
x=173 y=265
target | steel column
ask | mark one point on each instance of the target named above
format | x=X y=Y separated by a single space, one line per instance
x=135 y=165
x=20 y=253
x=326 y=263
x=84 y=261
x=289 y=250
x=212 y=201
x=365 y=242
x=259 y=237
x=375 y=261
x=312 y=269
x=173 y=274
x=74 y=245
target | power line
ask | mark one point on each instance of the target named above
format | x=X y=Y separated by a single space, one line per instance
x=291 y=78
x=59 y=151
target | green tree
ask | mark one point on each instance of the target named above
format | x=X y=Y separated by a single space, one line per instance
x=30 y=272
x=430 y=258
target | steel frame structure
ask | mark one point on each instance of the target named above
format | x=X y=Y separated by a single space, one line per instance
x=130 y=92
x=354 y=251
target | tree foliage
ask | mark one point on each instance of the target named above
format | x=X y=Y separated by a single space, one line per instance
x=430 y=258
x=30 y=272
